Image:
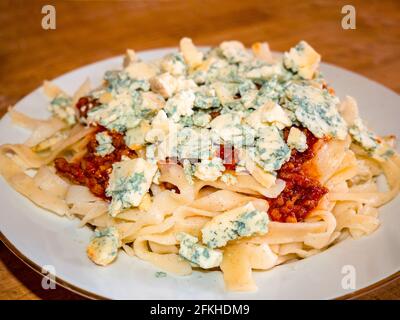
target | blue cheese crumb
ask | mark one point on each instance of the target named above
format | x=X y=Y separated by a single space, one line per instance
x=103 y=248
x=196 y=253
x=297 y=140
x=244 y=221
x=105 y=145
x=188 y=171
x=61 y=107
x=316 y=109
x=180 y=104
x=160 y=274
x=130 y=180
x=209 y=170
x=229 y=179
x=369 y=141
x=302 y=59
x=271 y=150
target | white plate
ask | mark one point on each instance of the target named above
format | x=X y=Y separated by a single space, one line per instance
x=46 y=239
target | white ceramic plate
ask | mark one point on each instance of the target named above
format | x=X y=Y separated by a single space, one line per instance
x=46 y=239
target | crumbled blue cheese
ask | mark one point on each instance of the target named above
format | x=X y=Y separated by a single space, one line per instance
x=259 y=71
x=164 y=84
x=160 y=274
x=240 y=222
x=181 y=104
x=248 y=93
x=369 y=140
x=119 y=114
x=302 y=59
x=168 y=148
x=269 y=113
x=150 y=153
x=141 y=70
x=155 y=135
x=186 y=121
x=317 y=110
x=209 y=170
x=234 y=51
x=130 y=180
x=271 y=151
x=194 y=144
x=126 y=110
x=156 y=178
x=207 y=70
x=149 y=103
x=229 y=179
x=182 y=83
x=104 y=144
x=241 y=167
x=201 y=119
x=120 y=80
x=270 y=90
x=226 y=92
x=174 y=64
x=297 y=140
x=61 y=107
x=103 y=248
x=360 y=133
x=135 y=137
x=193 y=57
x=229 y=73
x=227 y=128
x=206 y=98
x=130 y=57
x=188 y=170
x=217 y=69
x=200 y=255
x=160 y=128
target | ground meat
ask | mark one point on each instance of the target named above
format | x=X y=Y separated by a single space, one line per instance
x=302 y=192
x=93 y=170
x=84 y=104
x=214 y=114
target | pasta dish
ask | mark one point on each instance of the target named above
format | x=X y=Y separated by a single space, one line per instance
x=226 y=160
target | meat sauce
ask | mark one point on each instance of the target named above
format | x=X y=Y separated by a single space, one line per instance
x=92 y=170
x=84 y=104
x=301 y=195
x=302 y=192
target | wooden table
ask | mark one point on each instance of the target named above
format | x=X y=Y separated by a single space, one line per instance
x=87 y=31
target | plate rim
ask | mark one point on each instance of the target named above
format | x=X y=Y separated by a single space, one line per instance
x=91 y=295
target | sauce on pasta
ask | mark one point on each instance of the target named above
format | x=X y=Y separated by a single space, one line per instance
x=302 y=191
x=93 y=170
x=300 y=196
x=84 y=104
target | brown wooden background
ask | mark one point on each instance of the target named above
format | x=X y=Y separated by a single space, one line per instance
x=88 y=31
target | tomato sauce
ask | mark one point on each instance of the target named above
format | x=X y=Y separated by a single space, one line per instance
x=93 y=170
x=84 y=104
x=301 y=195
x=302 y=192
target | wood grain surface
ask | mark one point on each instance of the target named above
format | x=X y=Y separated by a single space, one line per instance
x=87 y=31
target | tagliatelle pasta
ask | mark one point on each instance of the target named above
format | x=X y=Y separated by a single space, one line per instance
x=225 y=160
